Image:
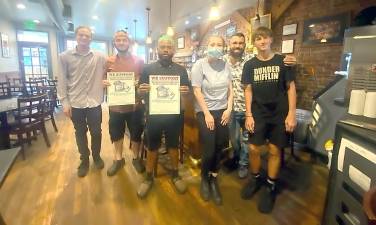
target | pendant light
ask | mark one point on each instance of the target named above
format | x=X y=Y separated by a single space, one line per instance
x=148 y=39
x=214 y=11
x=170 y=29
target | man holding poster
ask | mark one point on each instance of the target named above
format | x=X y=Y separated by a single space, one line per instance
x=126 y=109
x=163 y=81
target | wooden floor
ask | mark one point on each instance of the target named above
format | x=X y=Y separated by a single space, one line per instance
x=45 y=190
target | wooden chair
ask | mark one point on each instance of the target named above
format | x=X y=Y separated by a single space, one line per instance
x=29 y=119
x=34 y=87
x=40 y=79
x=53 y=83
x=50 y=104
x=5 y=90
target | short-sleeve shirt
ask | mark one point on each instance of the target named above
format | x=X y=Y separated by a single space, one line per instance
x=237 y=87
x=269 y=87
x=128 y=63
x=214 y=80
x=158 y=69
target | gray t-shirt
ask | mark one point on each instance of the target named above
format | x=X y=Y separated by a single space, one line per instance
x=214 y=81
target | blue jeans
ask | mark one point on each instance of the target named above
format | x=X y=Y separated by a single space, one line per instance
x=239 y=142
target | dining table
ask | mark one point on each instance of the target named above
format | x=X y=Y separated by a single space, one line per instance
x=7 y=158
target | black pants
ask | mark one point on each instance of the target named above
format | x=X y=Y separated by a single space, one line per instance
x=212 y=141
x=82 y=119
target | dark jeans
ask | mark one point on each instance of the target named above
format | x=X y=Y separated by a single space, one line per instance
x=213 y=142
x=82 y=119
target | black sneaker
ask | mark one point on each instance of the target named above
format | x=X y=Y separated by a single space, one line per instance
x=267 y=199
x=215 y=192
x=83 y=168
x=205 y=189
x=138 y=165
x=252 y=186
x=98 y=163
x=116 y=166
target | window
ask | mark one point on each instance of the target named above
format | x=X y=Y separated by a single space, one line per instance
x=32 y=36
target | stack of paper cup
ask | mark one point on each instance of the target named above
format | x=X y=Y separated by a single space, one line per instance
x=357 y=99
x=370 y=105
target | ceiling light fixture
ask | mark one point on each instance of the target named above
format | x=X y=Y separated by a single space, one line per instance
x=170 y=29
x=186 y=22
x=364 y=37
x=95 y=17
x=21 y=6
x=214 y=11
x=148 y=39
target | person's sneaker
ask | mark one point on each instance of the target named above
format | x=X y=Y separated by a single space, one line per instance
x=115 y=167
x=138 y=165
x=144 y=188
x=98 y=163
x=251 y=187
x=267 y=199
x=205 y=189
x=243 y=172
x=215 y=192
x=180 y=185
x=83 y=168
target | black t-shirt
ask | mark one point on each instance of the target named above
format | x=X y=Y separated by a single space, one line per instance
x=158 y=69
x=269 y=87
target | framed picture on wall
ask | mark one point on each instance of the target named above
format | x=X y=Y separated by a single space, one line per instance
x=323 y=30
x=181 y=43
x=5 y=49
x=289 y=29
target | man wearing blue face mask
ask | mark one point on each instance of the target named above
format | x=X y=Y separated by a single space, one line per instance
x=211 y=81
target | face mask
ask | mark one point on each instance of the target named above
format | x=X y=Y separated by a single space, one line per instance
x=215 y=52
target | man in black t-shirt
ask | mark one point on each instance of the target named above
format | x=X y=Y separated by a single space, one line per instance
x=170 y=124
x=270 y=98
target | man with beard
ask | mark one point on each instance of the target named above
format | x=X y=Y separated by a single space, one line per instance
x=238 y=134
x=80 y=91
x=170 y=124
x=122 y=116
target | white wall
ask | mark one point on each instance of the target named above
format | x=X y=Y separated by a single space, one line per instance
x=9 y=64
x=54 y=51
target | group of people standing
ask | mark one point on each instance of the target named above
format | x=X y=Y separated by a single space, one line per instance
x=248 y=101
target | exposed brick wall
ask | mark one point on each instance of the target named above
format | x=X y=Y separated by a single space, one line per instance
x=323 y=59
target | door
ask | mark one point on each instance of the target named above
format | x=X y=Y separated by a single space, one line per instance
x=34 y=60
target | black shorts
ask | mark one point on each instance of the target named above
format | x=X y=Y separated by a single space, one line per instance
x=133 y=120
x=275 y=133
x=169 y=124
